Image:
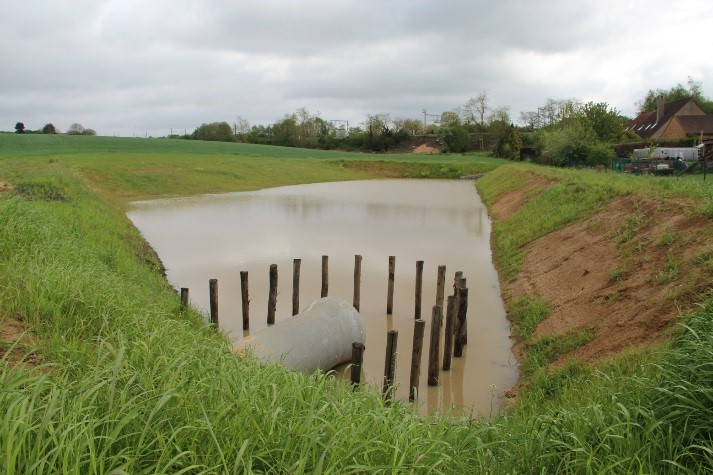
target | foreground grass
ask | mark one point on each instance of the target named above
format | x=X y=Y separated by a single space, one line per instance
x=124 y=381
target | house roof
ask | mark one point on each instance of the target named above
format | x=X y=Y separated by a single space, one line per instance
x=645 y=125
x=694 y=124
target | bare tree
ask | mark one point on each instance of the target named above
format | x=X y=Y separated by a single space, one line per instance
x=241 y=127
x=529 y=119
x=474 y=112
x=475 y=109
x=75 y=129
x=499 y=114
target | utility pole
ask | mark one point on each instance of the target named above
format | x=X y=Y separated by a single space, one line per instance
x=434 y=117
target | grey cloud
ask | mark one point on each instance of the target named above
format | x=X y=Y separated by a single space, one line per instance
x=154 y=65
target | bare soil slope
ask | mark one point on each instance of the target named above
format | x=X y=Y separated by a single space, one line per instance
x=626 y=273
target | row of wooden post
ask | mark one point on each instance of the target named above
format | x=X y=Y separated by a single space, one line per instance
x=455 y=337
x=455 y=324
x=272 y=293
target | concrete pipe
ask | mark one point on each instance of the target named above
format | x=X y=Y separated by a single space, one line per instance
x=318 y=338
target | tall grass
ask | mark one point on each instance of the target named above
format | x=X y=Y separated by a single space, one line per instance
x=132 y=383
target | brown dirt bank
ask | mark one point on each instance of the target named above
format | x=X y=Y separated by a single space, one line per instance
x=626 y=273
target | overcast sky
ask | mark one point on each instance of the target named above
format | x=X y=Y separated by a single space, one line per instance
x=126 y=67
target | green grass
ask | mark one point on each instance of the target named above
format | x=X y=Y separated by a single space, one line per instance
x=547 y=349
x=127 y=382
x=526 y=313
x=131 y=168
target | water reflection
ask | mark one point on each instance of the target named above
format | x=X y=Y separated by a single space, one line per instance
x=440 y=222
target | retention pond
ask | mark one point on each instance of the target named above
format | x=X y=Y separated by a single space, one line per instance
x=440 y=222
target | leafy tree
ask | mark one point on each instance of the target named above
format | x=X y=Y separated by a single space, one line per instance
x=379 y=135
x=514 y=143
x=450 y=119
x=49 y=129
x=19 y=128
x=498 y=129
x=215 y=131
x=259 y=134
x=574 y=143
x=286 y=131
x=607 y=123
x=693 y=89
x=455 y=138
x=410 y=126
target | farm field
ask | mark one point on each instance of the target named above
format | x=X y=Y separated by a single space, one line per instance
x=131 y=168
x=104 y=372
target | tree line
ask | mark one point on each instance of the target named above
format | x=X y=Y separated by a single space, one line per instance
x=561 y=132
x=49 y=128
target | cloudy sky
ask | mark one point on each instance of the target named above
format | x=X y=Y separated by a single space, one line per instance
x=126 y=67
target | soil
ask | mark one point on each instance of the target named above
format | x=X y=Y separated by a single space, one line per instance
x=426 y=148
x=14 y=340
x=627 y=272
x=511 y=202
x=5 y=187
x=420 y=145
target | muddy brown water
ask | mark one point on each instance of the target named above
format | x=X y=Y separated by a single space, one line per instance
x=440 y=222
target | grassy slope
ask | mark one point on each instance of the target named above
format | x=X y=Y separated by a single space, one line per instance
x=137 y=168
x=130 y=382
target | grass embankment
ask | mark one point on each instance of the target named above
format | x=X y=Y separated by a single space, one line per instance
x=144 y=168
x=121 y=379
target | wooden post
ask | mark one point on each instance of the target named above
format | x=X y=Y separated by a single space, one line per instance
x=213 y=296
x=450 y=324
x=460 y=322
x=440 y=285
x=357 y=361
x=296 y=263
x=390 y=365
x=419 y=289
x=246 y=299
x=418 y=328
x=357 y=282
x=434 y=348
x=272 y=296
x=456 y=285
x=325 y=276
x=184 y=298
x=464 y=330
x=390 y=292
x=456 y=281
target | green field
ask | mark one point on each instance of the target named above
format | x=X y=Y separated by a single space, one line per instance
x=118 y=379
x=138 y=168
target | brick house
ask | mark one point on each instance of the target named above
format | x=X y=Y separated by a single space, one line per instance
x=673 y=120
